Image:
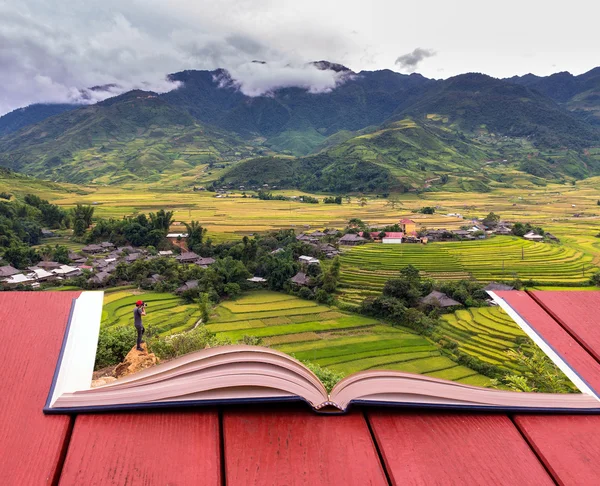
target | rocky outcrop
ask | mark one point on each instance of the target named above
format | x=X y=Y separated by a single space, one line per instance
x=136 y=361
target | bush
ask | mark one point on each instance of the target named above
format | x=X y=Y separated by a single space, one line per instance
x=113 y=345
x=328 y=377
x=305 y=293
x=172 y=346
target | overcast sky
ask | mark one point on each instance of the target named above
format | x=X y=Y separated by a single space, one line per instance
x=51 y=49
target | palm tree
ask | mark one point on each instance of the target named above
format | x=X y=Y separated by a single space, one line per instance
x=161 y=220
x=195 y=233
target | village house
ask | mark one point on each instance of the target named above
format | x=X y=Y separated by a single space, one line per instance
x=255 y=279
x=392 y=237
x=189 y=285
x=550 y=236
x=187 y=257
x=8 y=271
x=439 y=299
x=300 y=279
x=18 y=279
x=132 y=257
x=93 y=249
x=318 y=234
x=100 y=278
x=48 y=265
x=503 y=230
x=495 y=286
x=463 y=234
x=107 y=245
x=66 y=271
x=165 y=253
x=205 y=262
x=306 y=238
x=330 y=251
x=408 y=226
x=46 y=233
x=175 y=236
x=41 y=275
x=308 y=260
x=352 y=239
x=531 y=236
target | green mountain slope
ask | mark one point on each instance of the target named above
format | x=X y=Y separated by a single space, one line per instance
x=414 y=155
x=396 y=157
x=133 y=136
x=29 y=115
x=579 y=94
x=293 y=119
x=475 y=102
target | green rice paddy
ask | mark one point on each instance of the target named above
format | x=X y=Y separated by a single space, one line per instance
x=366 y=268
x=486 y=333
x=344 y=342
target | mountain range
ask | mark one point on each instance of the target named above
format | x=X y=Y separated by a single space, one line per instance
x=405 y=132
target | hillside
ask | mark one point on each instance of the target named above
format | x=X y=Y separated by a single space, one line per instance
x=294 y=119
x=408 y=155
x=579 y=94
x=18 y=185
x=133 y=136
x=316 y=173
x=476 y=102
x=29 y=115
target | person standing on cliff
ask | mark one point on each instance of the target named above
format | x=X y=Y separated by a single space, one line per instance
x=138 y=312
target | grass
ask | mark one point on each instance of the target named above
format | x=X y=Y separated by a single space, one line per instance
x=327 y=336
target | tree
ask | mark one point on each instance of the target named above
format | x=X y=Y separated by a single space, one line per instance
x=196 y=234
x=20 y=256
x=84 y=213
x=204 y=306
x=362 y=202
x=393 y=201
x=491 y=220
x=79 y=227
x=427 y=210
x=357 y=223
x=161 y=220
x=330 y=280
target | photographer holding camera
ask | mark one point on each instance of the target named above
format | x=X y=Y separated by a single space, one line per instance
x=138 y=312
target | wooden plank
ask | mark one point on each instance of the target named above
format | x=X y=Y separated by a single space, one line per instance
x=144 y=448
x=424 y=449
x=299 y=447
x=32 y=326
x=557 y=337
x=577 y=312
x=569 y=445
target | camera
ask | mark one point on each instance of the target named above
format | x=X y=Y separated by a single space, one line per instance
x=144 y=304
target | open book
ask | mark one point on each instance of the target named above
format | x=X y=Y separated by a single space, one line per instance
x=241 y=373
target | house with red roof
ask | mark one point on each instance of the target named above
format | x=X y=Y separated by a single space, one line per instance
x=407 y=225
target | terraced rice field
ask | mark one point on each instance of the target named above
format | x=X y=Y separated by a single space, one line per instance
x=324 y=335
x=366 y=268
x=486 y=333
x=166 y=313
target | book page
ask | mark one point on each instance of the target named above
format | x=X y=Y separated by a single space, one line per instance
x=477 y=346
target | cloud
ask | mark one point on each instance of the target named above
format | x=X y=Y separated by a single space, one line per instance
x=409 y=62
x=55 y=51
x=263 y=78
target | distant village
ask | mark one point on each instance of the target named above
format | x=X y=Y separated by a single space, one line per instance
x=98 y=262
